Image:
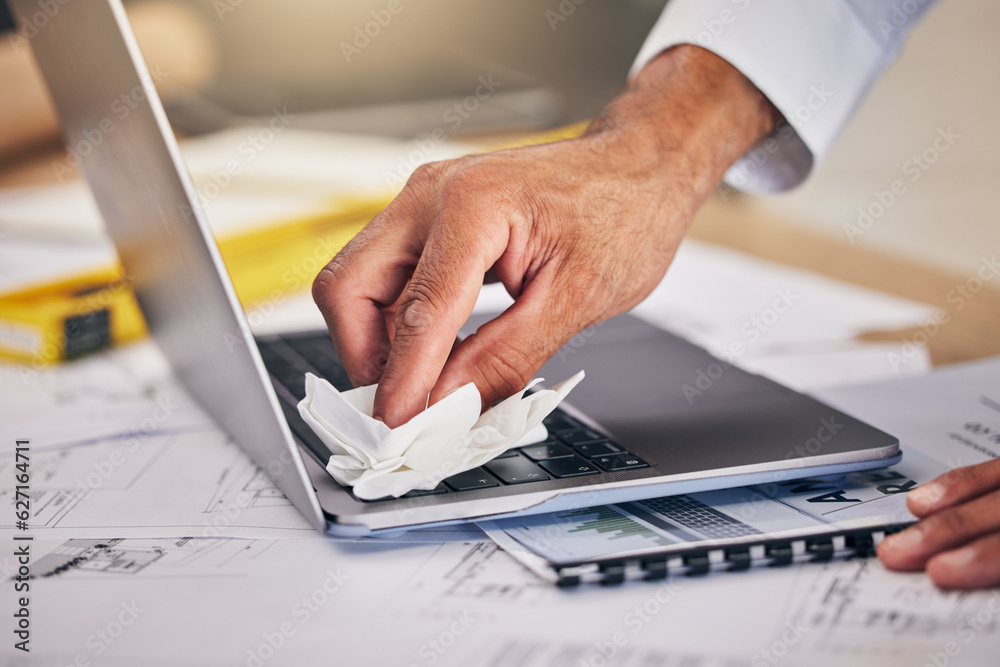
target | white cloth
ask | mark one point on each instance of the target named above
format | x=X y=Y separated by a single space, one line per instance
x=814 y=60
x=447 y=438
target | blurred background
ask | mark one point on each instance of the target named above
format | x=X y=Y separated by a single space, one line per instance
x=359 y=67
x=315 y=56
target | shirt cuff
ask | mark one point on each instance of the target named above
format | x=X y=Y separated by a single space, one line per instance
x=815 y=61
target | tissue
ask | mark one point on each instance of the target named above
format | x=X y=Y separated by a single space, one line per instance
x=447 y=438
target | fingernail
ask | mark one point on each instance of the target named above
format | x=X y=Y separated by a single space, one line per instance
x=927 y=495
x=959 y=559
x=907 y=540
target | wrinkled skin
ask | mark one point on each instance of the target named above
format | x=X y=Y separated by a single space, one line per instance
x=579 y=231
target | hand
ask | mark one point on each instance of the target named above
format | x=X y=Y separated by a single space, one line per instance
x=577 y=231
x=958 y=538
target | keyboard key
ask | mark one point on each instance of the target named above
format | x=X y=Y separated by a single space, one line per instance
x=318 y=353
x=560 y=422
x=331 y=371
x=579 y=436
x=620 y=462
x=272 y=359
x=296 y=388
x=547 y=450
x=477 y=478
x=594 y=449
x=516 y=470
x=440 y=488
x=304 y=346
x=570 y=467
x=506 y=455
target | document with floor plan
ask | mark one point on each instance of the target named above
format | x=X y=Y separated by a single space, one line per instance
x=958 y=424
x=747 y=520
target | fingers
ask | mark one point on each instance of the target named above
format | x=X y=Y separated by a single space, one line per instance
x=975 y=565
x=358 y=285
x=942 y=531
x=954 y=487
x=433 y=306
x=958 y=540
x=506 y=353
x=356 y=326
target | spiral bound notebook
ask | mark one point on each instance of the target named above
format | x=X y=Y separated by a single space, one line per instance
x=782 y=523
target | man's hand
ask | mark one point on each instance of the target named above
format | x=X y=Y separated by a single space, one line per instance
x=958 y=538
x=577 y=231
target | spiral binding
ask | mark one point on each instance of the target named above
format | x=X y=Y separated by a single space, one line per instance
x=778 y=552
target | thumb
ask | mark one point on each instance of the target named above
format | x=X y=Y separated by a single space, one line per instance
x=438 y=299
x=506 y=353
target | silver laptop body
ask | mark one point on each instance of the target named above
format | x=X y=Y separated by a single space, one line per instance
x=747 y=430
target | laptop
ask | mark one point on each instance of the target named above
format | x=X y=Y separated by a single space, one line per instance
x=635 y=432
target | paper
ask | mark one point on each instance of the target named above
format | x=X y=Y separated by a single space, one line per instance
x=447 y=438
x=242 y=182
x=717 y=296
x=957 y=423
x=118 y=447
x=282 y=602
x=837 y=364
x=793 y=326
x=765 y=509
x=952 y=414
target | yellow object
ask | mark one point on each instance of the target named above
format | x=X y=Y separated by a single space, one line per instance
x=283 y=258
x=71 y=317
x=68 y=318
x=550 y=136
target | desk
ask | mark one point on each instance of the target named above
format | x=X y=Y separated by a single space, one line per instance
x=449 y=598
x=970 y=333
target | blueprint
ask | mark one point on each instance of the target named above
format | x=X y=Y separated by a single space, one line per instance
x=465 y=603
x=130 y=455
x=157 y=542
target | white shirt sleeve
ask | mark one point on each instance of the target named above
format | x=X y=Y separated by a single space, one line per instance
x=814 y=60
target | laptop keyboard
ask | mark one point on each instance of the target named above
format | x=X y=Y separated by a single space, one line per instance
x=571 y=450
